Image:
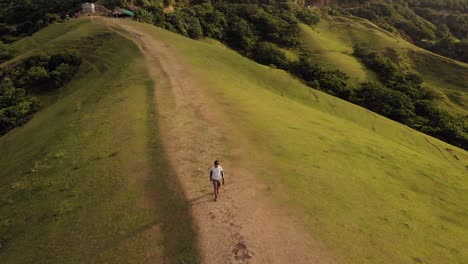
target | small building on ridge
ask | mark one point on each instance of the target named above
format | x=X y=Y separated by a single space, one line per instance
x=88 y=8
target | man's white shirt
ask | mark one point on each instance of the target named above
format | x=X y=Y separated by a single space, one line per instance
x=216 y=173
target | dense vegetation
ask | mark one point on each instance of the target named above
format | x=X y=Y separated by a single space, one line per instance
x=35 y=75
x=439 y=26
x=403 y=98
x=24 y=17
x=5 y=52
x=244 y=27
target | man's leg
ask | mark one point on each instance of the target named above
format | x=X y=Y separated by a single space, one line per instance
x=215 y=191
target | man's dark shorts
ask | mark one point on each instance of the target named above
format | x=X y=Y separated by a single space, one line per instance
x=216 y=183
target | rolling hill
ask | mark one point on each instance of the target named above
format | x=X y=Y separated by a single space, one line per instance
x=95 y=177
x=333 y=39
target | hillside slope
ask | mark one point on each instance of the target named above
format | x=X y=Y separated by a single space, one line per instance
x=98 y=168
x=86 y=180
x=371 y=189
x=332 y=44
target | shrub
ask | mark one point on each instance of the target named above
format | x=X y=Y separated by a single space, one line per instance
x=308 y=16
x=61 y=75
x=333 y=82
x=40 y=60
x=267 y=53
x=194 y=29
x=5 y=52
x=389 y=103
x=16 y=107
x=240 y=34
x=36 y=76
x=144 y=16
x=65 y=57
x=36 y=73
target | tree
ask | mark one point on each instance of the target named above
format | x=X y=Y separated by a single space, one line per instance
x=308 y=16
x=389 y=103
x=16 y=106
x=5 y=52
x=36 y=76
x=240 y=34
x=267 y=53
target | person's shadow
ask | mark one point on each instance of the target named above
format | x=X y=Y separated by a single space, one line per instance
x=200 y=199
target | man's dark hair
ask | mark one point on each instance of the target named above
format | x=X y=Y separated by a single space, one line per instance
x=216 y=162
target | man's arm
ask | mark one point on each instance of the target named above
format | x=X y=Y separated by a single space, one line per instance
x=222 y=175
x=211 y=175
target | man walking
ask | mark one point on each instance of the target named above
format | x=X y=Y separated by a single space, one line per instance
x=216 y=175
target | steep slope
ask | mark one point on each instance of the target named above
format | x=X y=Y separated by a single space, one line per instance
x=332 y=43
x=86 y=180
x=373 y=190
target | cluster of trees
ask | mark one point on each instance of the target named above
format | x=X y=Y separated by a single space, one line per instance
x=439 y=26
x=402 y=97
x=44 y=72
x=34 y=75
x=16 y=106
x=333 y=82
x=24 y=17
x=243 y=26
x=449 y=47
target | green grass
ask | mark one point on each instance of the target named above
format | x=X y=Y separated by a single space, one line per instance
x=86 y=180
x=332 y=41
x=373 y=190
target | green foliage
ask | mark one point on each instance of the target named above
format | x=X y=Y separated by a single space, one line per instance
x=27 y=17
x=392 y=104
x=35 y=74
x=392 y=75
x=5 y=52
x=240 y=34
x=239 y=25
x=308 y=16
x=194 y=28
x=428 y=23
x=449 y=47
x=16 y=107
x=404 y=99
x=268 y=54
x=144 y=16
x=69 y=57
x=61 y=75
x=333 y=82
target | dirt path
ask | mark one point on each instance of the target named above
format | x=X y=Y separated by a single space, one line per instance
x=243 y=226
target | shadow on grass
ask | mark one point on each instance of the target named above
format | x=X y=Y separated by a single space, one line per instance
x=172 y=205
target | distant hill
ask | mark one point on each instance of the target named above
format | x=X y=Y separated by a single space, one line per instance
x=331 y=42
x=439 y=26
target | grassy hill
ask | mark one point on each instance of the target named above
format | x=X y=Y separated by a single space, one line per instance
x=332 y=41
x=86 y=179
x=373 y=190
